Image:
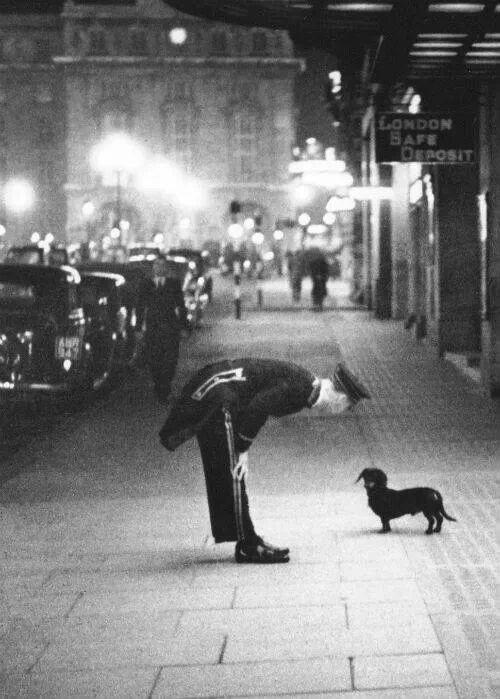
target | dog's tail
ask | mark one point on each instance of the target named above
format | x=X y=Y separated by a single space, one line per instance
x=446 y=515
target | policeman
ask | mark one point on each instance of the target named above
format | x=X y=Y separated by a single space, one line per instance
x=225 y=404
x=161 y=308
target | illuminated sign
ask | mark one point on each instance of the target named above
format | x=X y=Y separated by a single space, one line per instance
x=443 y=139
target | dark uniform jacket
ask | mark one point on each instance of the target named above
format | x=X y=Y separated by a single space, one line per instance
x=163 y=308
x=251 y=389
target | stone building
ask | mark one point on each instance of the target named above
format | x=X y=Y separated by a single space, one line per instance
x=216 y=101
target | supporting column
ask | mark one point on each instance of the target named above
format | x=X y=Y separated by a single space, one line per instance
x=459 y=260
x=489 y=235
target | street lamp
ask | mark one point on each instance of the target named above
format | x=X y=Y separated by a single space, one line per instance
x=117 y=154
x=19 y=197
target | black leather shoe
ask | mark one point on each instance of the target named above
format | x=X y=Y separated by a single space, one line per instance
x=259 y=553
x=279 y=551
x=345 y=382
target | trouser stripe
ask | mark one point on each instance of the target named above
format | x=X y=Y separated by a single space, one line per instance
x=238 y=508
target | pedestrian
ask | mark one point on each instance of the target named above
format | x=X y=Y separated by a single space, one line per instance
x=319 y=271
x=295 y=273
x=224 y=405
x=162 y=311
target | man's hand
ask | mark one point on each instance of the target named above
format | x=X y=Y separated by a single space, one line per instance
x=241 y=468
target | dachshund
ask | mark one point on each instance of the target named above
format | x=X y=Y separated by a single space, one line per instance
x=389 y=504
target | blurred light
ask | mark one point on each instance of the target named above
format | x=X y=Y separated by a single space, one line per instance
x=235 y=230
x=328 y=180
x=278 y=235
x=246 y=265
x=159 y=175
x=116 y=153
x=369 y=193
x=336 y=80
x=67 y=364
x=3 y=230
x=115 y=232
x=299 y=167
x=316 y=228
x=124 y=225
x=304 y=219
x=310 y=141
x=106 y=242
x=158 y=238
x=414 y=106
x=189 y=193
x=258 y=238
x=35 y=237
x=335 y=204
x=303 y=194
x=19 y=195
x=177 y=35
x=268 y=256
x=185 y=223
x=248 y=224
x=49 y=238
x=329 y=218
x=88 y=209
x=483 y=218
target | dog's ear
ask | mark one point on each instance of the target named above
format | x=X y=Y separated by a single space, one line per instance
x=361 y=475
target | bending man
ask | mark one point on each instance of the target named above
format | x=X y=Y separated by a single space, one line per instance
x=225 y=405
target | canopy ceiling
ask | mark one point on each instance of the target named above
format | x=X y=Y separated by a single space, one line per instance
x=407 y=39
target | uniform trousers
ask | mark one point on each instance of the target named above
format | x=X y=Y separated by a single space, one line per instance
x=226 y=488
x=162 y=355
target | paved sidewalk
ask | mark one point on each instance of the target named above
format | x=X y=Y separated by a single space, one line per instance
x=111 y=587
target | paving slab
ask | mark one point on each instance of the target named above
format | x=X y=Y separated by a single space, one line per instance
x=249 y=679
x=398 y=671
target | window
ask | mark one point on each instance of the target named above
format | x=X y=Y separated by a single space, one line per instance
x=97 y=43
x=113 y=115
x=42 y=49
x=245 y=146
x=259 y=43
x=178 y=120
x=46 y=136
x=219 y=43
x=138 y=43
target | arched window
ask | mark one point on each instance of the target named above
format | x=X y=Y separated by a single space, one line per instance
x=138 y=42
x=259 y=43
x=113 y=115
x=244 y=151
x=218 y=45
x=97 y=43
x=179 y=125
x=45 y=133
x=178 y=134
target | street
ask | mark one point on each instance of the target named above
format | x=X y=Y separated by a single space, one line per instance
x=112 y=587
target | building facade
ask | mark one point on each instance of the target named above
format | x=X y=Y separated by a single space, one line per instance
x=213 y=101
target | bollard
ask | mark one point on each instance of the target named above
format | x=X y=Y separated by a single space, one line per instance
x=259 y=268
x=237 y=289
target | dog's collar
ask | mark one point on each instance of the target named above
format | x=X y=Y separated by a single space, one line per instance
x=314 y=393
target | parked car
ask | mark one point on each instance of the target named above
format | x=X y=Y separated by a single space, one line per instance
x=37 y=255
x=193 y=287
x=200 y=266
x=48 y=343
x=109 y=330
x=143 y=251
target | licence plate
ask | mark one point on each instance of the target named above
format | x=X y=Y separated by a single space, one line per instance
x=68 y=347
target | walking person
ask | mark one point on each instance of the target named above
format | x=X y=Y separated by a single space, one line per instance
x=224 y=405
x=162 y=311
x=319 y=270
